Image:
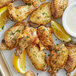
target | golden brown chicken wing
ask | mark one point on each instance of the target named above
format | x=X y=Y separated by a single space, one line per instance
x=71 y=62
x=57 y=59
x=45 y=37
x=42 y=15
x=34 y=2
x=5 y=2
x=28 y=36
x=11 y=35
x=20 y=13
x=29 y=73
x=58 y=7
x=37 y=57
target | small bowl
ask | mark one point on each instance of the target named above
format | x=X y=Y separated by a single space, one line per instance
x=64 y=20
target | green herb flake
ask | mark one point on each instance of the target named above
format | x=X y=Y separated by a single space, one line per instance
x=57 y=52
x=37 y=74
x=44 y=13
x=2 y=27
x=14 y=39
x=48 y=54
x=18 y=31
x=12 y=33
x=71 y=42
x=57 y=69
x=57 y=44
x=27 y=37
x=44 y=29
x=41 y=8
x=61 y=51
x=56 y=39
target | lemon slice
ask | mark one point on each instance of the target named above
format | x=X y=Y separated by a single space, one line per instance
x=19 y=63
x=3 y=17
x=59 y=32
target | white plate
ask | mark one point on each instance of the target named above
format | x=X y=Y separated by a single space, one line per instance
x=8 y=55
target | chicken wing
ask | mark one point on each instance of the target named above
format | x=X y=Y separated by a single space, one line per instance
x=58 y=7
x=45 y=37
x=30 y=73
x=28 y=36
x=37 y=57
x=71 y=62
x=34 y=2
x=57 y=59
x=42 y=15
x=20 y=13
x=11 y=35
x=5 y=2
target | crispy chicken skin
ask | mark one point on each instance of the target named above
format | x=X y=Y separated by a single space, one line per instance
x=29 y=73
x=71 y=62
x=58 y=7
x=11 y=35
x=42 y=15
x=5 y=2
x=37 y=57
x=57 y=59
x=45 y=37
x=19 y=13
x=34 y=2
x=28 y=36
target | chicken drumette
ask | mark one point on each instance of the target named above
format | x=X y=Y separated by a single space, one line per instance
x=57 y=59
x=71 y=62
x=45 y=37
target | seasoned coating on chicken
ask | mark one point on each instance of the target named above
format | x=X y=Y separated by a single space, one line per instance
x=34 y=2
x=37 y=57
x=3 y=45
x=42 y=15
x=11 y=35
x=58 y=7
x=57 y=59
x=45 y=37
x=28 y=36
x=20 y=13
x=5 y=2
x=71 y=62
x=30 y=73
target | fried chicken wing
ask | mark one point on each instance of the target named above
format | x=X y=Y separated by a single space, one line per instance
x=58 y=7
x=30 y=73
x=42 y=15
x=45 y=37
x=28 y=36
x=71 y=62
x=5 y=2
x=20 y=13
x=34 y=2
x=37 y=57
x=11 y=35
x=57 y=59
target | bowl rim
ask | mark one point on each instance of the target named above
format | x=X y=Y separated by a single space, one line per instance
x=64 y=20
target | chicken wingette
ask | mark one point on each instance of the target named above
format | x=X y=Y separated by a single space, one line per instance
x=45 y=37
x=71 y=62
x=37 y=57
x=28 y=36
x=58 y=7
x=57 y=59
x=20 y=13
x=42 y=15
x=12 y=34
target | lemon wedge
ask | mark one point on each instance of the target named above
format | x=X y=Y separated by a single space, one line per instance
x=59 y=32
x=3 y=17
x=19 y=63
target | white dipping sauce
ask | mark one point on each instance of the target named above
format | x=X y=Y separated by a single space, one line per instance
x=71 y=19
